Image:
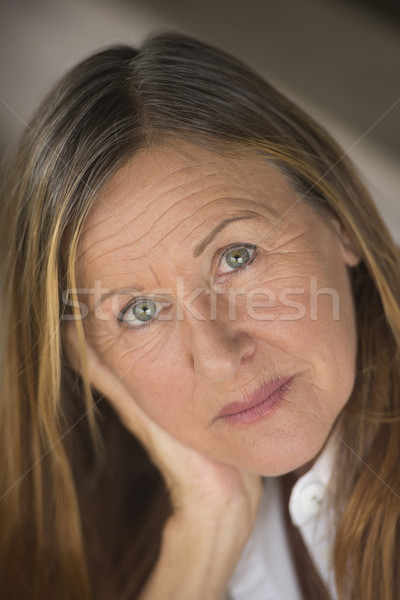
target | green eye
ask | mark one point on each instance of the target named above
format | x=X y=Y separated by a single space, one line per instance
x=144 y=310
x=236 y=258
x=141 y=311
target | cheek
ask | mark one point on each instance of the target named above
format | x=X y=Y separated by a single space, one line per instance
x=307 y=323
x=165 y=397
x=153 y=374
x=123 y=350
x=336 y=344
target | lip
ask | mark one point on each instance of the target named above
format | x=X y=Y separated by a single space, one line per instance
x=261 y=402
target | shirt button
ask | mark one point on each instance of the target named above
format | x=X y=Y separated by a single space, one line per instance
x=312 y=497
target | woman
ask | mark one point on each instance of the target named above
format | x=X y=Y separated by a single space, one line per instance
x=200 y=311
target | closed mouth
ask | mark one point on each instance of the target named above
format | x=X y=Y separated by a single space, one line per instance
x=260 y=402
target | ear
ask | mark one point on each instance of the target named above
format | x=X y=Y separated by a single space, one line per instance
x=350 y=253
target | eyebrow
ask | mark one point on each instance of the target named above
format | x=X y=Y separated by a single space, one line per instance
x=199 y=249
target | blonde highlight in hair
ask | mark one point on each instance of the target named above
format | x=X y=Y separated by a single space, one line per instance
x=64 y=469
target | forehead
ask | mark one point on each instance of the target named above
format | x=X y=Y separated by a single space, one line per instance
x=165 y=195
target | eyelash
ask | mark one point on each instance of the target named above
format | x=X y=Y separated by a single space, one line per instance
x=222 y=255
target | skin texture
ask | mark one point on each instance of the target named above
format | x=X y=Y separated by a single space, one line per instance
x=221 y=333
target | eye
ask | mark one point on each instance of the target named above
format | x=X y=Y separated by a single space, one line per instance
x=236 y=258
x=140 y=312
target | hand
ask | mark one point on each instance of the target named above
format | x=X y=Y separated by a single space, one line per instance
x=214 y=504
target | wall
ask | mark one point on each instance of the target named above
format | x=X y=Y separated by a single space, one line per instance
x=339 y=60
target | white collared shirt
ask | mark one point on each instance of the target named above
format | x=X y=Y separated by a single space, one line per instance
x=265 y=570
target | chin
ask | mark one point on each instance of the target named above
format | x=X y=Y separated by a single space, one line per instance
x=284 y=458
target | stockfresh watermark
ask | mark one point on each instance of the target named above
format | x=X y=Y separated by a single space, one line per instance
x=259 y=304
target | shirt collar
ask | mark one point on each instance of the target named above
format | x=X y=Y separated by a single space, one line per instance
x=311 y=491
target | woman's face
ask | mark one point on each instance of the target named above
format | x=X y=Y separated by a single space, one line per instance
x=222 y=300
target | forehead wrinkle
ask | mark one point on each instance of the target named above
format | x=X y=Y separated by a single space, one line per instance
x=103 y=239
x=207 y=173
x=164 y=196
x=240 y=213
x=210 y=188
x=214 y=201
x=165 y=213
x=187 y=198
x=172 y=174
x=89 y=225
x=103 y=203
x=162 y=216
x=154 y=182
x=84 y=246
x=175 y=188
x=239 y=210
x=152 y=247
x=184 y=219
x=102 y=221
x=131 y=223
x=109 y=248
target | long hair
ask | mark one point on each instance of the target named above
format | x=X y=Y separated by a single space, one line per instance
x=82 y=508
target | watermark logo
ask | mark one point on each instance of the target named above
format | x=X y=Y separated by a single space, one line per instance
x=259 y=304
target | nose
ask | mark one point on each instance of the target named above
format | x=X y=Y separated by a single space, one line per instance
x=218 y=349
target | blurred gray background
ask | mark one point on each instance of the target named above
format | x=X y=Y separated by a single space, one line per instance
x=339 y=59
